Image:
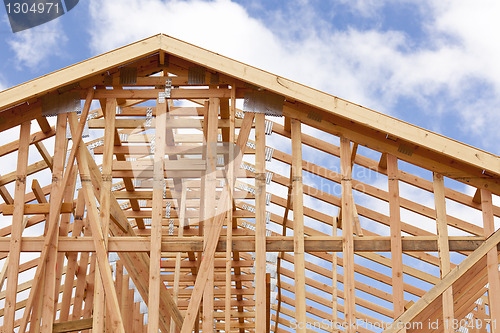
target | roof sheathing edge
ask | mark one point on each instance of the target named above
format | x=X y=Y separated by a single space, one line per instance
x=288 y=88
x=84 y=69
x=334 y=105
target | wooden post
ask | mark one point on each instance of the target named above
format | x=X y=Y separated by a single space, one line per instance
x=283 y=232
x=298 y=227
x=396 y=244
x=90 y=281
x=335 y=305
x=112 y=305
x=36 y=314
x=446 y=282
x=17 y=227
x=137 y=264
x=177 y=272
x=157 y=217
x=268 y=302
x=210 y=248
x=357 y=224
x=63 y=231
x=104 y=217
x=209 y=203
x=72 y=260
x=492 y=261
x=3 y=273
x=443 y=249
x=229 y=225
x=260 y=223
x=48 y=313
x=53 y=226
x=81 y=275
x=347 y=233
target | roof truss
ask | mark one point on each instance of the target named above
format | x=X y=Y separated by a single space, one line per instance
x=231 y=220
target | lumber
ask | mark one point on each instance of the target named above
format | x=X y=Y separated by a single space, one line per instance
x=347 y=232
x=229 y=137
x=17 y=228
x=3 y=272
x=178 y=258
x=99 y=312
x=72 y=326
x=492 y=260
x=260 y=224
x=59 y=200
x=50 y=279
x=157 y=215
x=136 y=264
x=102 y=261
x=209 y=202
x=443 y=250
x=298 y=221
x=210 y=247
x=314 y=243
x=202 y=264
x=72 y=260
x=446 y=282
x=396 y=244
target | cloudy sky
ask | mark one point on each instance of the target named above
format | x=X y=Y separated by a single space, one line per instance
x=431 y=63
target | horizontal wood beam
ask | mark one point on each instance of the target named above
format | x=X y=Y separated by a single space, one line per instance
x=153 y=93
x=172 y=123
x=247 y=243
x=72 y=326
x=42 y=208
x=169 y=165
x=146 y=150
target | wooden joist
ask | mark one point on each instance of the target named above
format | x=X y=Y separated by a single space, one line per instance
x=314 y=243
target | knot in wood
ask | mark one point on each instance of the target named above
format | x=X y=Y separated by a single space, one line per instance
x=84 y=179
x=107 y=178
x=260 y=176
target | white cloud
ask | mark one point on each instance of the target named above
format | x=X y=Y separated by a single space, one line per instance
x=450 y=73
x=34 y=46
x=226 y=28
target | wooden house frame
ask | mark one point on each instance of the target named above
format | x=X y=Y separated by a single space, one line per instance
x=169 y=219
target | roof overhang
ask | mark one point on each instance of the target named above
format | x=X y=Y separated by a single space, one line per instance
x=483 y=161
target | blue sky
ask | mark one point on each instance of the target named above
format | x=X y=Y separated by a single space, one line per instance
x=430 y=64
